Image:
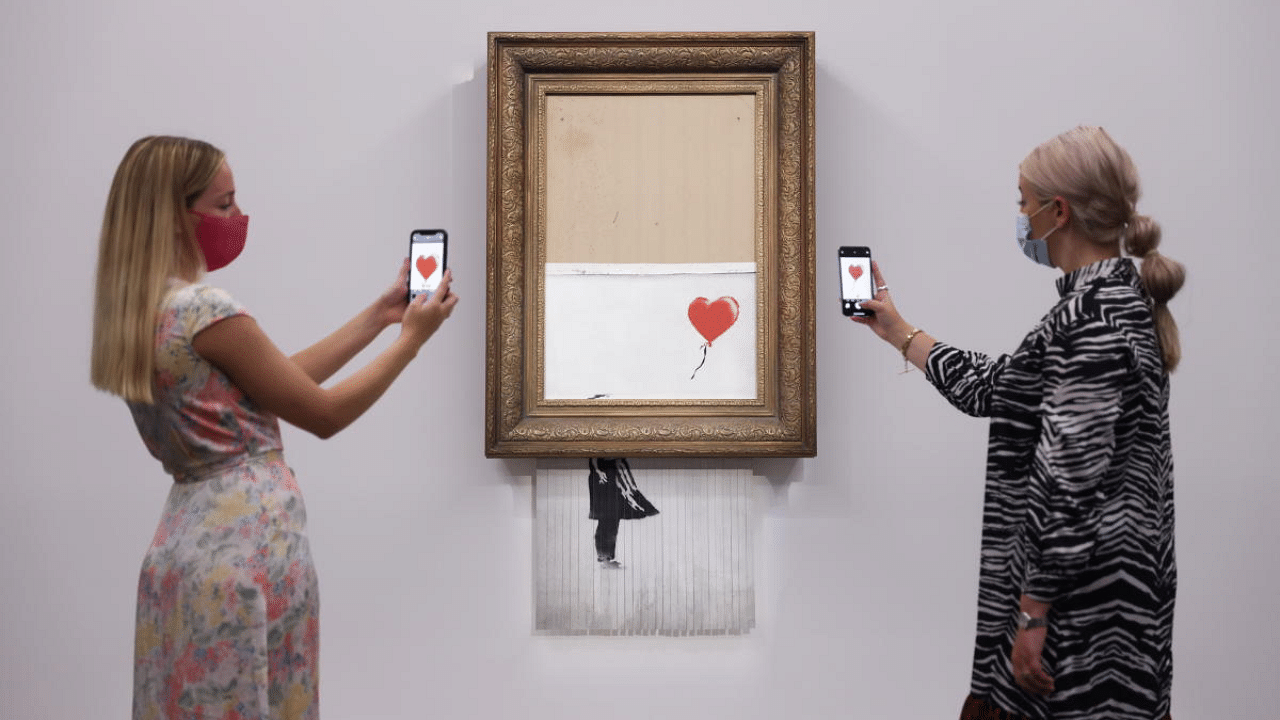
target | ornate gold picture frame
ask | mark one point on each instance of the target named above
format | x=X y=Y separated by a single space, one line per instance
x=651 y=245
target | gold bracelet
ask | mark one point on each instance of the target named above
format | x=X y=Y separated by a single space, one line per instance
x=911 y=336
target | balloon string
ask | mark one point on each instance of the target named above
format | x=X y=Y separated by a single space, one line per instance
x=704 y=361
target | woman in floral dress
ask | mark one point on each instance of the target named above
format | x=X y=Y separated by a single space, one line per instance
x=228 y=611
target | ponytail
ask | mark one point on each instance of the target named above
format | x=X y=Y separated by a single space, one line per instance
x=1162 y=277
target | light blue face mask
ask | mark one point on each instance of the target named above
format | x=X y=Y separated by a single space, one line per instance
x=1037 y=250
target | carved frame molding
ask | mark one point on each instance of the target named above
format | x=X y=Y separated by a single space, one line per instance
x=782 y=421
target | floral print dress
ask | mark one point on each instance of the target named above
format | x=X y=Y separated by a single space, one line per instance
x=228 y=609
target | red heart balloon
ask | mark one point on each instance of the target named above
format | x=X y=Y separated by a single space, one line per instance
x=426 y=265
x=855 y=271
x=711 y=319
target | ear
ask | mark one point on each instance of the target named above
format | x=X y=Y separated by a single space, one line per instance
x=1061 y=211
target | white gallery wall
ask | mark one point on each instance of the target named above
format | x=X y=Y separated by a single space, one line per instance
x=349 y=124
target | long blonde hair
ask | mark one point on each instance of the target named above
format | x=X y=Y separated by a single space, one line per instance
x=1100 y=182
x=147 y=238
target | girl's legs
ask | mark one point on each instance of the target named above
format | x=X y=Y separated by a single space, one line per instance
x=606 y=538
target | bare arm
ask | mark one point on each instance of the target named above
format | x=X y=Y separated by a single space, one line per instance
x=323 y=359
x=890 y=327
x=282 y=385
x=965 y=379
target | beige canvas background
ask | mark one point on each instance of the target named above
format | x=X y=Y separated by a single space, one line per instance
x=651 y=178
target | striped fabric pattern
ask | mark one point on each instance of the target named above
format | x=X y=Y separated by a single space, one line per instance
x=1078 y=507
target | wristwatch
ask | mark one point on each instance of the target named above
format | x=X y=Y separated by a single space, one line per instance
x=1026 y=622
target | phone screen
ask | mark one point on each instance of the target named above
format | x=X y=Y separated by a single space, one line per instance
x=428 y=253
x=855 y=278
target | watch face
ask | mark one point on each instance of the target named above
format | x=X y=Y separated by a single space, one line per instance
x=1026 y=622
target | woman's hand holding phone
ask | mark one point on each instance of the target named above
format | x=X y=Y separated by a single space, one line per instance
x=390 y=305
x=885 y=320
x=888 y=324
x=422 y=317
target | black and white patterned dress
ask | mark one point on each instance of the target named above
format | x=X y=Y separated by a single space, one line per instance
x=1079 y=500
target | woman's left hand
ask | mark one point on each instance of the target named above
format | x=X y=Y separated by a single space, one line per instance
x=389 y=307
x=1028 y=672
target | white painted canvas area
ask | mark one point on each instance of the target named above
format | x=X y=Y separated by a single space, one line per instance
x=622 y=331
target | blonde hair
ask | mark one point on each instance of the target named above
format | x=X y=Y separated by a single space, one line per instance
x=147 y=238
x=1100 y=183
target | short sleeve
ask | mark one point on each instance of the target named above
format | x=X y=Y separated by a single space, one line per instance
x=199 y=306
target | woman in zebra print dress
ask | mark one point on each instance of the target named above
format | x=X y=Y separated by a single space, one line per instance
x=1077 y=576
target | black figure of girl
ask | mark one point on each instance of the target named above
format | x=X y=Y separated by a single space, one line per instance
x=614 y=497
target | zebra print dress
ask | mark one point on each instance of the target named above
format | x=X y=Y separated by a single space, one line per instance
x=1078 y=508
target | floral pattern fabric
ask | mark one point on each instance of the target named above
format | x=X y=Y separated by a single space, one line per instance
x=228 y=608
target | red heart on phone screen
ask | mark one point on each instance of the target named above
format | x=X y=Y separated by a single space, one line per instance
x=426 y=265
x=711 y=319
x=855 y=271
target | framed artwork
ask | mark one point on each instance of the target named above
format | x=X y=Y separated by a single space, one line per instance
x=650 y=241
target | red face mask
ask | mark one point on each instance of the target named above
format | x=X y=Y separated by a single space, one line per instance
x=221 y=239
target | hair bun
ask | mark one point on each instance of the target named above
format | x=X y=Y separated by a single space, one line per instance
x=1142 y=236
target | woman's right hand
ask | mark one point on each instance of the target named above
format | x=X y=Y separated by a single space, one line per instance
x=889 y=325
x=886 y=322
x=423 y=317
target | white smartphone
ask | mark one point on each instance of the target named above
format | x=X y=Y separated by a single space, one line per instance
x=855 y=279
x=428 y=258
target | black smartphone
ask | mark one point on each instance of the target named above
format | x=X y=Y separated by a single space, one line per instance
x=428 y=257
x=855 y=279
